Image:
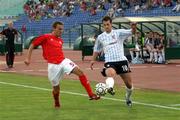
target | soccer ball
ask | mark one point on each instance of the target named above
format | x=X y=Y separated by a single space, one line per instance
x=101 y=89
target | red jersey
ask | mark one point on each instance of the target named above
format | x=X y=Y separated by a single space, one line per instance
x=52 y=48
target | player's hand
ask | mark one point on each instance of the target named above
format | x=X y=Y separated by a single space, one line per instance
x=27 y=62
x=91 y=64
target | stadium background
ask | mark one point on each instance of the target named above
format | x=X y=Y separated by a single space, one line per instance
x=145 y=76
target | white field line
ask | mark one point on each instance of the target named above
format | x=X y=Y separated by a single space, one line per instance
x=174 y=105
x=107 y=98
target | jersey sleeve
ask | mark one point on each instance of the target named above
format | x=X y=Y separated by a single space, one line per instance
x=124 y=34
x=98 y=46
x=39 y=40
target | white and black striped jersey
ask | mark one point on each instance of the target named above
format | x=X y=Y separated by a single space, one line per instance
x=112 y=44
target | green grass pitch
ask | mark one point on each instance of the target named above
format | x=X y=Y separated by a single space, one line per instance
x=24 y=97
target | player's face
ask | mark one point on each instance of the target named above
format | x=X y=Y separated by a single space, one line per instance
x=107 y=26
x=58 y=30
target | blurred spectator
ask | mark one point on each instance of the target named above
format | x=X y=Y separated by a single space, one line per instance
x=111 y=13
x=125 y=4
x=136 y=49
x=93 y=8
x=83 y=5
x=149 y=45
x=177 y=6
x=101 y=6
x=157 y=3
x=167 y=3
x=117 y=6
x=158 y=48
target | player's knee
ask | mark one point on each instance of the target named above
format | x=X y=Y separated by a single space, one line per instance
x=81 y=72
x=78 y=71
x=110 y=72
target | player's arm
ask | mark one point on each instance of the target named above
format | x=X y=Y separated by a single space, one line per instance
x=28 y=58
x=97 y=49
x=95 y=54
x=37 y=41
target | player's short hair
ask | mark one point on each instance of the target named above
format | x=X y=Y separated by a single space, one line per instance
x=54 y=25
x=107 y=18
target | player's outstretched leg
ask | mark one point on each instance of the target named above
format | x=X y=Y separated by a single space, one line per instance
x=85 y=83
x=87 y=86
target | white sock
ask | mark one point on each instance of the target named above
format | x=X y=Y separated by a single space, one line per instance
x=132 y=55
x=160 y=59
x=155 y=57
x=110 y=82
x=163 y=55
x=151 y=56
x=137 y=54
x=128 y=93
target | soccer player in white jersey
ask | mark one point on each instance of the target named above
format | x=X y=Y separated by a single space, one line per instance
x=111 y=42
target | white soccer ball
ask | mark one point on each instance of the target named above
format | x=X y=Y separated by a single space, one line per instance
x=101 y=89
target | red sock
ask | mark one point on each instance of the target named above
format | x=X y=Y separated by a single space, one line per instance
x=86 y=84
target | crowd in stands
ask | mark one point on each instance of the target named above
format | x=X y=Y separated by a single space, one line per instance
x=54 y=8
x=119 y=6
x=48 y=8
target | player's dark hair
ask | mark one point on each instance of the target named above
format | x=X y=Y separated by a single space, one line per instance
x=56 y=23
x=107 y=18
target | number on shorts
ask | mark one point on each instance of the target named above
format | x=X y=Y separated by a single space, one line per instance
x=72 y=64
x=125 y=68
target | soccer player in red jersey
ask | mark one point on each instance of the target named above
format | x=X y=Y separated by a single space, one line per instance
x=57 y=64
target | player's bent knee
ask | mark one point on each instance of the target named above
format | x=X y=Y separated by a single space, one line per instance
x=77 y=71
x=110 y=72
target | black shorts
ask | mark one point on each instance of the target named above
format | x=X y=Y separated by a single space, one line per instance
x=120 y=67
